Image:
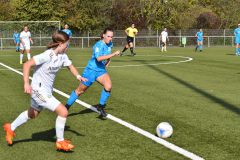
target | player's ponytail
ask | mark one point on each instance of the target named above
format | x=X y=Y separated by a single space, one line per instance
x=57 y=38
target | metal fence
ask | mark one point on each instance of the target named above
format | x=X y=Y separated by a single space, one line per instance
x=145 y=38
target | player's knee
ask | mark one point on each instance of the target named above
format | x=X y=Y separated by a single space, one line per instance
x=108 y=87
x=32 y=114
x=79 y=91
x=64 y=113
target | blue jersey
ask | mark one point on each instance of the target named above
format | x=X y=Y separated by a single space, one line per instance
x=199 y=36
x=237 y=35
x=99 y=49
x=16 y=37
x=68 y=31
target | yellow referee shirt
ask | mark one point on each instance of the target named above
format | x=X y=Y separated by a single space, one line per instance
x=131 y=31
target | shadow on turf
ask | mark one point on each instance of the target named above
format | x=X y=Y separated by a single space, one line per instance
x=231 y=54
x=86 y=111
x=213 y=98
x=48 y=135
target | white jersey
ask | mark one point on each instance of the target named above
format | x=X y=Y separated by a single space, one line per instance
x=25 y=36
x=47 y=65
x=164 y=36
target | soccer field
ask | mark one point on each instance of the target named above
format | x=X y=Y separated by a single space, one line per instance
x=197 y=93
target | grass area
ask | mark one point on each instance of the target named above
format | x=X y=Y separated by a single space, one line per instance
x=199 y=98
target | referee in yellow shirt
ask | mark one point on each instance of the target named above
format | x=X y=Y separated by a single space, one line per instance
x=131 y=33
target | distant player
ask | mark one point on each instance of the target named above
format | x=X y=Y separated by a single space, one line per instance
x=96 y=71
x=68 y=31
x=46 y=64
x=164 y=39
x=237 y=39
x=16 y=38
x=25 y=38
x=131 y=33
x=199 y=36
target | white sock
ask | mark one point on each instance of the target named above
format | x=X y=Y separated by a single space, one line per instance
x=165 y=48
x=21 y=119
x=29 y=56
x=162 y=49
x=21 y=56
x=60 y=124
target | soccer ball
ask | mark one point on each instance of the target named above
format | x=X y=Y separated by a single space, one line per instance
x=164 y=130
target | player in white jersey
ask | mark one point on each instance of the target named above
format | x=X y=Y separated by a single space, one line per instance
x=164 y=39
x=25 y=38
x=47 y=65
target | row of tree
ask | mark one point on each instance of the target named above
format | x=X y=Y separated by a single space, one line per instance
x=119 y=14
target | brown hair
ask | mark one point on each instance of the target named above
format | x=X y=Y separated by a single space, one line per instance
x=57 y=38
x=104 y=32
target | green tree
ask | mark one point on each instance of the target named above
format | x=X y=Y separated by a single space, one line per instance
x=38 y=10
x=5 y=9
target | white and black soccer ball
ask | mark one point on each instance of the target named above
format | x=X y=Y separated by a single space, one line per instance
x=164 y=130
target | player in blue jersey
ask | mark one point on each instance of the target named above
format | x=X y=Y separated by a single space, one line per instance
x=16 y=38
x=68 y=31
x=237 y=39
x=199 y=36
x=96 y=71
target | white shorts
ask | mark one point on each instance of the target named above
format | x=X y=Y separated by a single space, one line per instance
x=25 y=47
x=41 y=100
x=164 y=40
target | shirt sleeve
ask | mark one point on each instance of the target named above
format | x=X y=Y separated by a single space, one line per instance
x=21 y=35
x=42 y=58
x=97 y=51
x=66 y=61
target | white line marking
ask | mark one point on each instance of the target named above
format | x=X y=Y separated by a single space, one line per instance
x=188 y=59
x=160 y=63
x=128 y=125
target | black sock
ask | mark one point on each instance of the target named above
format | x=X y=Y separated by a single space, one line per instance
x=67 y=106
x=124 y=49
x=131 y=49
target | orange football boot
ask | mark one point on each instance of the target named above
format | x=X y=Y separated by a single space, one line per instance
x=64 y=145
x=9 y=133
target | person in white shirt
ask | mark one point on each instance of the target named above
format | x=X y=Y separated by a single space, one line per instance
x=47 y=64
x=25 y=39
x=164 y=39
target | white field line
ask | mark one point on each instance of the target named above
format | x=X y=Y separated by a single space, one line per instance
x=128 y=125
x=140 y=65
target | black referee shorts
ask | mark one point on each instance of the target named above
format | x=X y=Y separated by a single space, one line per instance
x=130 y=39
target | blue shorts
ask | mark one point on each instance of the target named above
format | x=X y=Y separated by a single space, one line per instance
x=17 y=41
x=91 y=75
x=199 y=40
x=237 y=40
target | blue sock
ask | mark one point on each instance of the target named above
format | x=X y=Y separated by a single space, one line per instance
x=200 y=47
x=238 y=50
x=104 y=97
x=71 y=99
